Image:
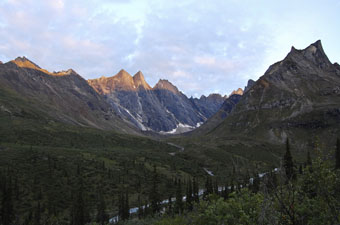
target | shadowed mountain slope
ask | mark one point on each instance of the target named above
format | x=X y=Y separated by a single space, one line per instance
x=60 y=96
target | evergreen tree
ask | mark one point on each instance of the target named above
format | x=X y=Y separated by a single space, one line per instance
x=271 y=181
x=189 y=197
x=121 y=205
x=216 y=187
x=79 y=214
x=255 y=187
x=209 y=189
x=195 y=187
x=309 y=159
x=179 y=198
x=288 y=162
x=232 y=187
x=7 y=210
x=154 y=194
x=126 y=206
x=102 y=217
x=140 y=208
x=337 y=154
x=170 y=210
x=146 y=210
x=37 y=215
x=226 y=192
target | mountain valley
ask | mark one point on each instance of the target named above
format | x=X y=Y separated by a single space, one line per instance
x=112 y=141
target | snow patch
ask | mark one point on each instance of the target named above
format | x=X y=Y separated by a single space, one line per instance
x=199 y=124
x=180 y=128
x=208 y=172
x=138 y=120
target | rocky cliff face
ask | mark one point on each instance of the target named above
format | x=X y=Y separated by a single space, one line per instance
x=61 y=96
x=249 y=85
x=162 y=108
x=297 y=97
x=208 y=106
x=239 y=91
x=218 y=116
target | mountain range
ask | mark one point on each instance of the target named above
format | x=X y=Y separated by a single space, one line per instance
x=162 y=108
x=29 y=91
x=298 y=98
x=122 y=103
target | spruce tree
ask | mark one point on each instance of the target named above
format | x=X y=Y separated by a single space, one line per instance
x=7 y=210
x=309 y=159
x=79 y=214
x=216 y=187
x=170 y=210
x=337 y=154
x=79 y=218
x=208 y=187
x=256 y=183
x=226 y=192
x=121 y=205
x=37 y=215
x=179 y=198
x=232 y=187
x=154 y=194
x=195 y=187
x=189 y=197
x=288 y=162
x=126 y=208
x=140 y=208
x=102 y=217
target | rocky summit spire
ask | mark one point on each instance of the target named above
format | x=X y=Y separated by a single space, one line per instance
x=121 y=81
x=239 y=91
x=166 y=85
x=249 y=85
x=25 y=63
x=122 y=74
x=140 y=82
x=313 y=53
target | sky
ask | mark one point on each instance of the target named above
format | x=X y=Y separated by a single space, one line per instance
x=201 y=46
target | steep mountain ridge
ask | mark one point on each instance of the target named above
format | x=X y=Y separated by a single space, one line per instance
x=162 y=108
x=63 y=96
x=166 y=85
x=208 y=106
x=140 y=82
x=298 y=97
x=239 y=91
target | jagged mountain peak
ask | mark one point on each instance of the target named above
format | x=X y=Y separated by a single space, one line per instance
x=250 y=83
x=313 y=53
x=123 y=74
x=239 y=91
x=166 y=85
x=65 y=72
x=26 y=63
x=212 y=96
x=216 y=96
x=140 y=82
